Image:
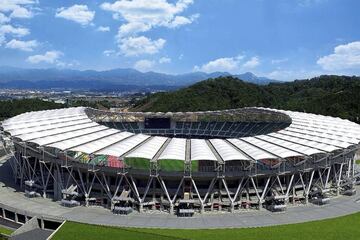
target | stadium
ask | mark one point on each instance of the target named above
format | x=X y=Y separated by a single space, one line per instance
x=182 y=163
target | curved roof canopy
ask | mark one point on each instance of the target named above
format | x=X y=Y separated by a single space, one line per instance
x=71 y=129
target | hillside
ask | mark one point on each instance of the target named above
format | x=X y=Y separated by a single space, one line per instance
x=118 y=79
x=11 y=108
x=329 y=95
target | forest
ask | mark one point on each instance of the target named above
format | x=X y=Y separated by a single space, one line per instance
x=331 y=95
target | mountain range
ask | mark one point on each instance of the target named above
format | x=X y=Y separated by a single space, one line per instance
x=116 y=79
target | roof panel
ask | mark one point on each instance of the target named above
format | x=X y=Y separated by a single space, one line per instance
x=99 y=144
x=41 y=134
x=226 y=151
x=67 y=135
x=310 y=143
x=44 y=115
x=325 y=134
x=148 y=149
x=22 y=131
x=44 y=122
x=252 y=151
x=318 y=139
x=175 y=149
x=70 y=143
x=271 y=148
x=201 y=151
x=290 y=145
x=120 y=148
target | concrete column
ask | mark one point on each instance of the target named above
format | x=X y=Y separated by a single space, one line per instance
x=3 y=213
x=212 y=201
x=141 y=208
x=219 y=197
x=202 y=208
x=42 y=224
x=86 y=200
x=16 y=218
x=154 y=194
x=293 y=200
x=232 y=208
x=171 y=208
x=247 y=199
x=161 y=201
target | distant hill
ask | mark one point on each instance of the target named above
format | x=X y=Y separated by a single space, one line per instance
x=11 y=77
x=329 y=95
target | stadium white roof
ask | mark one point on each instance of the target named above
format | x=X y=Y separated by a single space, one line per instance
x=72 y=130
x=176 y=150
x=149 y=149
x=226 y=151
x=200 y=150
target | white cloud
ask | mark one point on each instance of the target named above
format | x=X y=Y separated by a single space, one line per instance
x=252 y=63
x=18 y=8
x=109 y=53
x=134 y=46
x=278 y=61
x=149 y=13
x=103 y=29
x=144 y=65
x=16 y=31
x=181 y=20
x=27 y=46
x=13 y=31
x=141 y=16
x=345 y=57
x=3 y=18
x=228 y=64
x=2 y=40
x=309 y=3
x=290 y=75
x=164 y=60
x=10 y=9
x=48 y=57
x=77 y=13
x=21 y=12
x=132 y=28
x=71 y=64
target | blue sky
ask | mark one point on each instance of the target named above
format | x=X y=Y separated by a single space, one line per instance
x=281 y=39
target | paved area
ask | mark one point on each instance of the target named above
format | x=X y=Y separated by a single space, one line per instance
x=36 y=234
x=12 y=197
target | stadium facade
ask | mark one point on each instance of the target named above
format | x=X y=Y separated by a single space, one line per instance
x=249 y=158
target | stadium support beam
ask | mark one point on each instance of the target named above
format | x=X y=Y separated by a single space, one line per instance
x=307 y=186
x=229 y=195
x=260 y=197
x=87 y=187
x=240 y=188
x=198 y=194
x=133 y=187
x=288 y=188
x=338 y=178
x=177 y=191
x=47 y=178
x=163 y=186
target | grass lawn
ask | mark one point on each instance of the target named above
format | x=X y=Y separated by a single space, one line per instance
x=5 y=231
x=357 y=161
x=347 y=228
